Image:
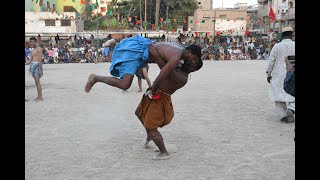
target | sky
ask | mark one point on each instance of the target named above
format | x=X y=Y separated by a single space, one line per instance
x=230 y=3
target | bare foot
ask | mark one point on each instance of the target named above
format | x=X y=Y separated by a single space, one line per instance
x=38 y=99
x=146 y=145
x=90 y=83
x=161 y=156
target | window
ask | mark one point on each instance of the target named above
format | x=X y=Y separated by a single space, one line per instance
x=68 y=9
x=65 y=22
x=290 y=4
x=222 y=16
x=50 y=22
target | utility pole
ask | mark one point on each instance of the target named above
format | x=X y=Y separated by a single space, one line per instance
x=150 y=11
x=222 y=5
x=140 y=14
x=145 y=10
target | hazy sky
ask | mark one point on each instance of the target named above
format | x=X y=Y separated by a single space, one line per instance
x=230 y=3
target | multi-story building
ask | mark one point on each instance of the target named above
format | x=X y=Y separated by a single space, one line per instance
x=205 y=4
x=284 y=11
x=222 y=20
x=51 y=17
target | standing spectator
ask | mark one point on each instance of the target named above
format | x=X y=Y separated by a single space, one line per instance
x=26 y=53
x=55 y=53
x=75 y=40
x=276 y=73
x=39 y=39
x=57 y=38
x=50 y=55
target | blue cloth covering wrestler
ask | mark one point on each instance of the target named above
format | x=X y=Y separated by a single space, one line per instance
x=129 y=55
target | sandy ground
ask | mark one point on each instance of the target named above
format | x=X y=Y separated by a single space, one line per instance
x=224 y=127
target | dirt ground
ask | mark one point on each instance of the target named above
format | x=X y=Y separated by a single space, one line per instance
x=224 y=127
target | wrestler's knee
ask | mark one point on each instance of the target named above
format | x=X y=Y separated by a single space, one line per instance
x=126 y=86
x=152 y=133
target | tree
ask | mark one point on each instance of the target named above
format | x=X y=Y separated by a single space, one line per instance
x=157 y=11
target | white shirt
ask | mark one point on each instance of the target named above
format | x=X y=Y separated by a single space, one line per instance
x=277 y=67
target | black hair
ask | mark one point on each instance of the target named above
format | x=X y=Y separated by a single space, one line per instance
x=287 y=33
x=33 y=38
x=196 y=50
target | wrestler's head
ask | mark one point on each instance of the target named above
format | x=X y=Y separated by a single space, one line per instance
x=33 y=42
x=192 y=60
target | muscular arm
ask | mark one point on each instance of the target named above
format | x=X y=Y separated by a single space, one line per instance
x=172 y=59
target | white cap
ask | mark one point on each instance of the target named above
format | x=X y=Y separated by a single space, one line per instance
x=285 y=29
x=109 y=43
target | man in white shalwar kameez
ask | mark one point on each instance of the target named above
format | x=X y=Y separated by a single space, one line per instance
x=276 y=71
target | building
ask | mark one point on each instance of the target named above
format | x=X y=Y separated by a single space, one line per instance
x=204 y=4
x=53 y=16
x=284 y=10
x=225 y=21
x=253 y=18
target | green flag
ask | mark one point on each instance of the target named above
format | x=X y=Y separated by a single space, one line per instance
x=191 y=21
x=203 y=21
x=213 y=20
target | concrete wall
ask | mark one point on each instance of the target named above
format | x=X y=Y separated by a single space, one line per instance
x=209 y=15
x=35 y=23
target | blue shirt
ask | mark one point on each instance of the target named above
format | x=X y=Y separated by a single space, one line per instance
x=27 y=52
x=106 y=51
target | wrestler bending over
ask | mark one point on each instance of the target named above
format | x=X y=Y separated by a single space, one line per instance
x=158 y=112
x=131 y=54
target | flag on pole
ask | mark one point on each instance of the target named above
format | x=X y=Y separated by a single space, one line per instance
x=272 y=16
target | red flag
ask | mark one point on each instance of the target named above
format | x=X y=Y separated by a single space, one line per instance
x=152 y=27
x=184 y=21
x=272 y=16
x=173 y=30
x=52 y=11
x=247 y=32
x=197 y=21
x=137 y=22
x=208 y=33
x=218 y=33
x=197 y=34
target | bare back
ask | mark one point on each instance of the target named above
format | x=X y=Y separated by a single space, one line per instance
x=165 y=50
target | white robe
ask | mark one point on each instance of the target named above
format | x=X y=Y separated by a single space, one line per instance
x=277 y=67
